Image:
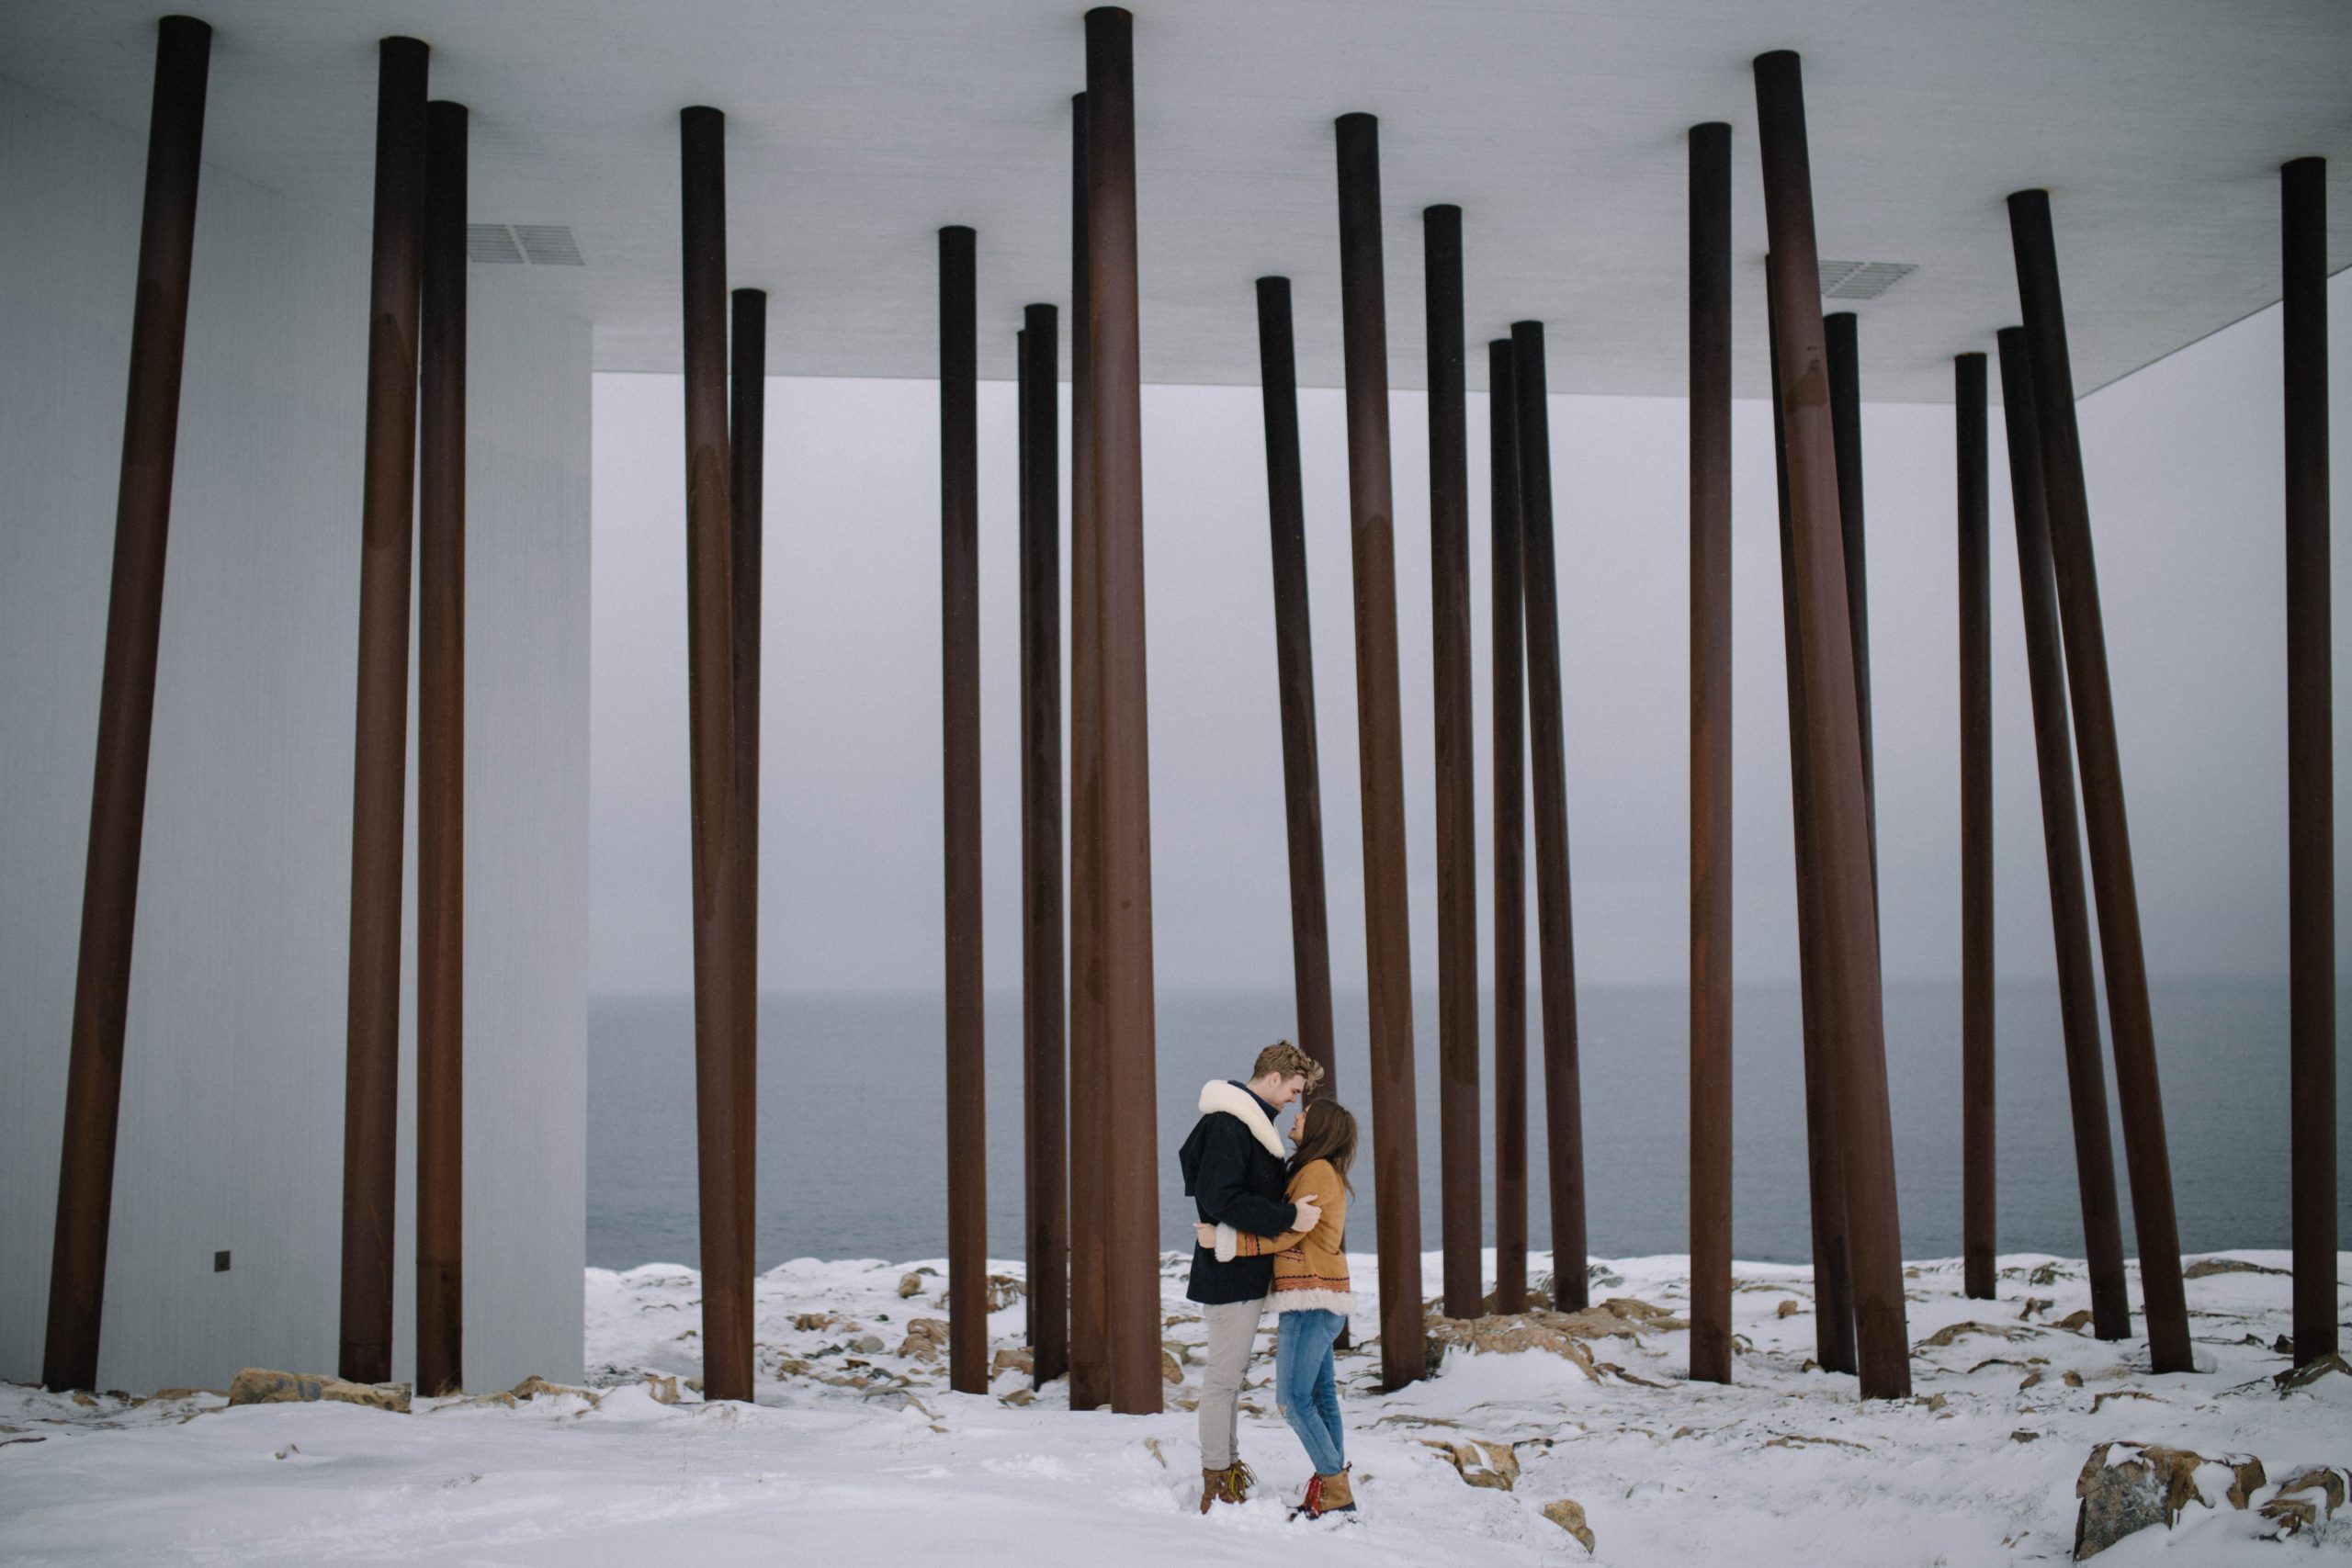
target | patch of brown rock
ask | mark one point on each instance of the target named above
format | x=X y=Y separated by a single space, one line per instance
x=1561 y=1332
x=1495 y=1466
x=2126 y=1487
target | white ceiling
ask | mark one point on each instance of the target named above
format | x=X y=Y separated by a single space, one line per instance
x=858 y=127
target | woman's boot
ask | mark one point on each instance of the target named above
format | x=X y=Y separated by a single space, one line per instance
x=1338 y=1492
x=1311 y=1506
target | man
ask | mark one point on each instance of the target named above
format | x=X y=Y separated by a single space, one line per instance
x=1235 y=1172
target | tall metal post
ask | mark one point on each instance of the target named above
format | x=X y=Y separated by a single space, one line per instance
x=1090 y=1367
x=1840 y=801
x=151 y=422
x=1457 y=806
x=1310 y=941
x=1131 y=1217
x=959 y=650
x=1380 y=731
x=1833 y=1273
x=2131 y=1026
x=1845 y=361
x=1710 y=763
x=713 y=757
x=1978 y=1189
x=1044 y=1143
x=1547 y=732
x=441 y=766
x=747 y=501
x=379 y=770
x=2070 y=921
x=1509 y=670
x=2311 y=775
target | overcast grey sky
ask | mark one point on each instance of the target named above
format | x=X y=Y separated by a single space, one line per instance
x=2185 y=496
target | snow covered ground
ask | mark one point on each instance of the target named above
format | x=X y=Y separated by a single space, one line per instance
x=858 y=1454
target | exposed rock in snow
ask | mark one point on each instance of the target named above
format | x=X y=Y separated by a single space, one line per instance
x=257 y=1385
x=2309 y=1376
x=2308 y=1501
x=1481 y=1463
x=1569 y=1514
x=2126 y=1487
x=926 y=1336
x=2205 y=1268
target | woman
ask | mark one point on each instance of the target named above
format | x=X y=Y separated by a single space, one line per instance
x=1312 y=1297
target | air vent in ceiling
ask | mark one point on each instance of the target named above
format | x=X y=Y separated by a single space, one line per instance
x=1861 y=280
x=539 y=244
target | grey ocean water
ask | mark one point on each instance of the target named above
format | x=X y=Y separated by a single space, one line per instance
x=852 y=1115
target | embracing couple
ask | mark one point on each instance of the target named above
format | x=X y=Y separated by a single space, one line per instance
x=1269 y=1231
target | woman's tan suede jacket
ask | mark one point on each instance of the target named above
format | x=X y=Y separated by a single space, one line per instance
x=1310 y=1269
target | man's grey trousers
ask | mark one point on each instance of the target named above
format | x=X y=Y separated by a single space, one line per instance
x=1233 y=1332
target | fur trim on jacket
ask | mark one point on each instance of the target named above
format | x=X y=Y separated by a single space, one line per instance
x=1240 y=1104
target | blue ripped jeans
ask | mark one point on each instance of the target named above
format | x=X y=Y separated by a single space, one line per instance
x=1307 y=1385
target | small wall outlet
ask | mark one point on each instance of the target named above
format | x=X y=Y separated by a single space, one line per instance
x=219 y=1263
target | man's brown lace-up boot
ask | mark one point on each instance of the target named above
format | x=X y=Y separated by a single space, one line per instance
x=1231 y=1485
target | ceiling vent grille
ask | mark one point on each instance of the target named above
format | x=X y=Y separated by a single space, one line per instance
x=512 y=245
x=1861 y=280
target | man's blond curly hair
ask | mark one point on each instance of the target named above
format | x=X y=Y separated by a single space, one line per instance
x=1286 y=1059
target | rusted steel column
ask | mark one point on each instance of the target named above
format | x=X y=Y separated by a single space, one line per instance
x=959 y=648
x=379 y=768
x=2070 y=921
x=441 y=766
x=1029 y=1214
x=1978 y=1189
x=1547 y=732
x=2311 y=775
x=746 y=506
x=1841 y=802
x=1833 y=1274
x=1457 y=806
x=1044 y=1137
x=1844 y=359
x=1090 y=1367
x=2130 y=1025
x=151 y=422
x=1310 y=941
x=1510 y=673
x=1710 y=775
x=1131 y=1217
x=712 y=756
x=1380 y=731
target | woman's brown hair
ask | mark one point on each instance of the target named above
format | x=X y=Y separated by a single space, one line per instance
x=1327 y=1131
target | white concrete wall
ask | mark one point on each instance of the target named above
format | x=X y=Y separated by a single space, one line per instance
x=232 y=1122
